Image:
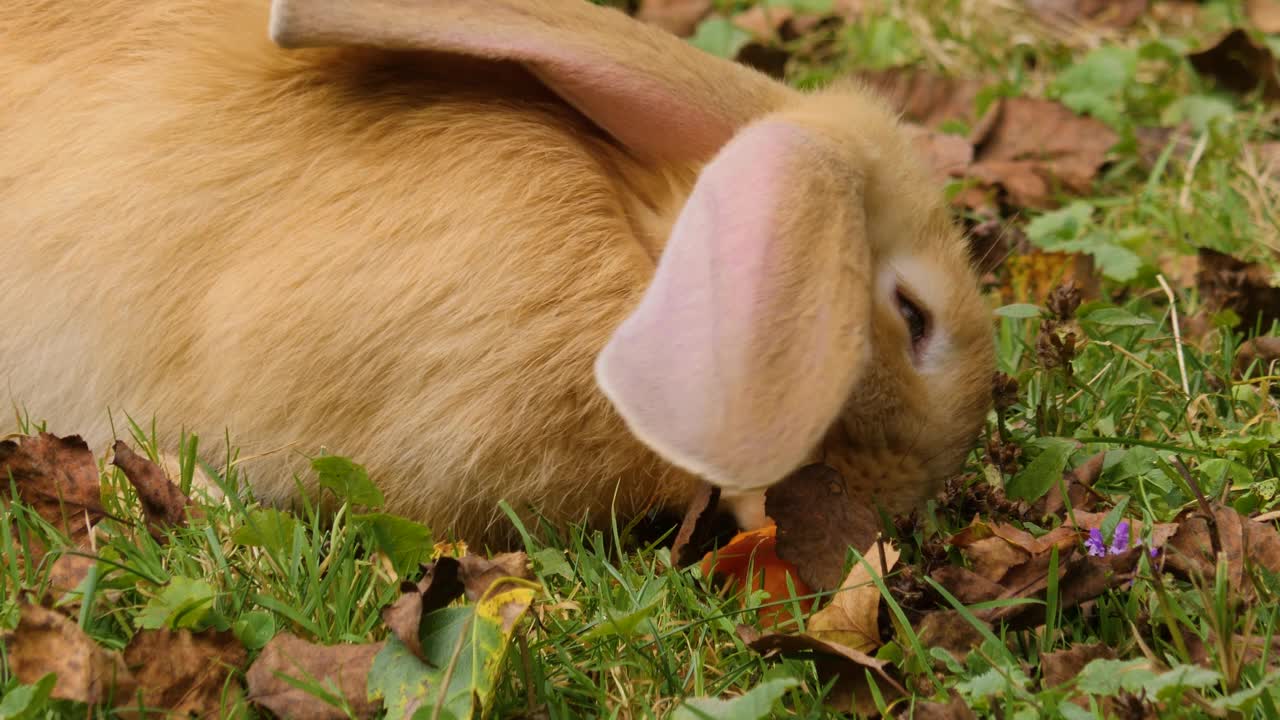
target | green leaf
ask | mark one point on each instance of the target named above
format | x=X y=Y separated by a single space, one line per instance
x=755 y=704
x=1060 y=225
x=1072 y=711
x=813 y=7
x=1019 y=310
x=183 y=603
x=25 y=701
x=1167 y=685
x=1199 y=111
x=267 y=528
x=1043 y=472
x=255 y=629
x=1105 y=71
x=405 y=543
x=1108 y=677
x=551 y=561
x=719 y=36
x=347 y=480
x=623 y=622
x=468 y=645
x=1115 y=317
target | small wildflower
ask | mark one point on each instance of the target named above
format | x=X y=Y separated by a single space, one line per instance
x=1096 y=546
x=1120 y=539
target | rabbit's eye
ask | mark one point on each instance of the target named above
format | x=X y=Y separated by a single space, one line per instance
x=916 y=319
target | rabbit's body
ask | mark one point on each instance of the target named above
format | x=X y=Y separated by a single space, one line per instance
x=411 y=258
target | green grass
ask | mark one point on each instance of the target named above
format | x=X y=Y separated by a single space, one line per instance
x=618 y=633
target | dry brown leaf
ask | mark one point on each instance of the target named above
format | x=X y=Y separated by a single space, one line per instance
x=438 y=587
x=703 y=527
x=1264 y=14
x=1191 y=550
x=1238 y=64
x=1264 y=351
x=1061 y=666
x=162 y=502
x=1110 y=13
x=1245 y=288
x=946 y=155
x=680 y=17
x=479 y=574
x=932 y=100
x=1078 y=482
x=852 y=617
x=951 y=631
x=68 y=571
x=818 y=521
x=1036 y=147
x=58 y=478
x=47 y=641
x=345 y=667
x=186 y=673
x=956 y=709
x=833 y=660
x=967 y=586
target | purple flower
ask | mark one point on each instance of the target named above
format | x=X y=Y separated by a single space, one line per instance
x=1095 y=544
x=1120 y=538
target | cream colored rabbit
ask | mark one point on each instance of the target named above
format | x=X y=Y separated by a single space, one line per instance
x=529 y=250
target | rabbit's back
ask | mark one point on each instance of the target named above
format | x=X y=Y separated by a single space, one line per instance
x=410 y=259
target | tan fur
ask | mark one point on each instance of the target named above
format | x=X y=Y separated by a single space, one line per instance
x=410 y=258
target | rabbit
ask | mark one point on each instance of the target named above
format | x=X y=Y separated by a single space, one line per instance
x=531 y=251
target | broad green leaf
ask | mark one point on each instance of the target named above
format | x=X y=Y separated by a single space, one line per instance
x=551 y=561
x=1106 y=71
x=1115 y=317
x=467 y=645
x=1043 y=472
x=348 y=480
x=1072 y=711
x=1167 y=684
x=405 y=543
x=1199 y=111
x=183 y=603
x=267 y=528
x=755 y=704
x=719 y=36
x=1108 y=677
x=1019 y=311
x=1060 y=225
x=255 y=629
x=26 y=701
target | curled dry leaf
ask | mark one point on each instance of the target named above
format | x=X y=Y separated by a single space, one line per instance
x=1192 y=549
x=955 y=709
x=438 y=587
x=951 y=631
x=1079 y=483
x=818 y=521
x=58 y=478
x=750 y=561
x=162 y=502
x=966 y=585
x=344 y=668
x=67 y=572
x=831 y=660
x=1061 y=666
x=1110 y=13
x=1264 y=351
x=1226 y=282
x=1239 y=64
x=184 y=673
x=703 y=527
x=47 y=641
x=478 y=574
x=1264 y=14
x=852 y=617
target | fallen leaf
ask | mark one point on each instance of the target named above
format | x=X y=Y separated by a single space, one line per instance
x=68 y=571
x=946 y=155
x=1078 y=482
x=1061 y=666
x=852 y=617
x=1243 y=287
x=956 y=709
x=1110 y=13
x=832 y=660
x=186 y=673
x=933 y=100
x=1264 y=351
x=479 y=574
x=438 y=587
x=951 y=631
x=1238 y=64
x=703 y=527
x=340 y=669
x=1244 y=541
x=162 y=502
x=1264 y=14
x=1035 y=147
x=58 y=478
x=680 y=17
x=967 y=586
x=818 y=521
x=750 y=561
x=47 y=641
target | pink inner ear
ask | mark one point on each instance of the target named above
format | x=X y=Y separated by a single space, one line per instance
x=683 y=369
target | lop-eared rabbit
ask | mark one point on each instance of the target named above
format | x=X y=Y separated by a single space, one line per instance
x=521 y=250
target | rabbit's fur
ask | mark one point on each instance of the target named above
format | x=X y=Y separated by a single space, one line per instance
x=416 y=257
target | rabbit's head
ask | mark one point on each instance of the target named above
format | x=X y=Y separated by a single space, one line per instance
x=813 y=300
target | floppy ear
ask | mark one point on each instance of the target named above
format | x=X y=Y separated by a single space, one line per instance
x=655 y=93
x=756 y=325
